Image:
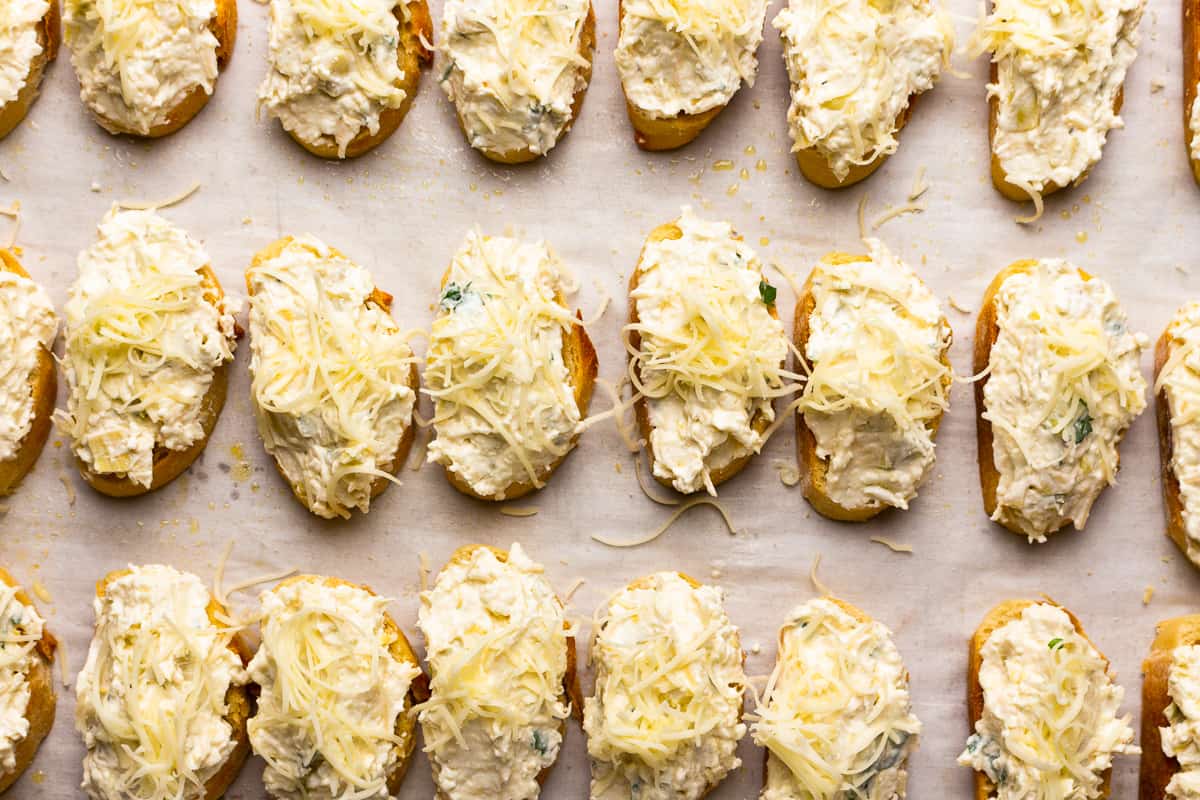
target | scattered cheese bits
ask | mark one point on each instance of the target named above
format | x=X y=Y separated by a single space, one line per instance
x=519 y=511
x=42 y=593
x=788 y=473
x=1147 y=595
x=660 y=530
x=128 y=205
x=893 y=546
x=820 y=587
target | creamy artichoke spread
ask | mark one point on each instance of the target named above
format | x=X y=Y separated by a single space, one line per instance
x=138 y=59
x=853 y=65
x=27 y=328
x=497 y=651
x=334 y=67
x=710 y=358
x=1064 y=386
x=1181 y=737
x=331 y=375
x=835 y=716
x=664 y=722
x=19 y=45
x=504 y=404
x=144 y=333
x=513 y=69
x=1179 y=378
x=687 y=56
x=878 y=382
x=331 y=692
x=20 y=632
x=1059 y=71
x=150 y=701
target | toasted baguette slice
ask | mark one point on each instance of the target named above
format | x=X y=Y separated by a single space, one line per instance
x=1191 y=74
x=42 y=700
x=1156 y=768
x=1172 y=491
x=49 y=34
x=816 y=169
x=43 y=386
x=814 y=470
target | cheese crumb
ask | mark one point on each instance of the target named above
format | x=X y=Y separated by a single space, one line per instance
x=1147 y=595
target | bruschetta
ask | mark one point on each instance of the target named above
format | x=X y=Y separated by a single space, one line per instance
x=1177 y=407
x=1043 y=707
x=1062 y=385
x=343 y=73
x=706 y=352
x=875 y=347
x=1056 y=89
x=1170 y=765
x=334 y=382
x=161 y=702
x=147 y=67
x=680 y=64
x=28 y=327
x=338 y=680
x=856 y=69
x=665 y=719
x=509 y=368
x=29 y=36
x=517 y=72
x=1191 y=82
x=501 y=661
x=835 y=717
x=27 y=699
x=149 y=338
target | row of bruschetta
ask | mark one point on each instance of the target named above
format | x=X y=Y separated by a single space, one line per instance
x=170 y=700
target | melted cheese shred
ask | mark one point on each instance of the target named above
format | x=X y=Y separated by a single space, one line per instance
x=332 y=375
x=505 y=408
x=332 y=691
x=664 y=719
x=1049 y=729
x=1179 y=379
x=151 y=698
x=835 y=715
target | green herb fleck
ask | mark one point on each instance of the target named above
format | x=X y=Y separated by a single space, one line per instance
x=453 y=295
x=539 y=742
x=767 y=292
x=1055 y=644
x=1083 y=423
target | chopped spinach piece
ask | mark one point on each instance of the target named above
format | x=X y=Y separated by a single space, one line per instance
x=1083 y=423
x=454 y=294
x=539 y=742
x=1055 y=644
x=767 y=292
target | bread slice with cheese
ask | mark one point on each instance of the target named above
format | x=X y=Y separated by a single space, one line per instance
x=875 y=348
x=502 y=675
x=855 y=70
x=664 y=721
x=706 y=352
x=681 y=63
x=1049 y=331
x=329 y=84
x=1171 y=711
x=517 y=72
x=27 y=699
x=1191 y=82
x=338 y=680
x=1043 y=705
x=509 y=367
x=30 y=32
x=835 y=717
x=1177 y=412
x=28 y=327
x=333 y=379
x=149 y=338
x=162 y=700
x=147 y=69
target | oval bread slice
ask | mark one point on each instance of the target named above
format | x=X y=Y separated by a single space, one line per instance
x=42 y=700
x=1191 y=74
x=1156 y=768
x=49 y=33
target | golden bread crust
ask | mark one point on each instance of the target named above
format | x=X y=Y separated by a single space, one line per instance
x=42 y=699
x=816 y=169
x=1172 y=493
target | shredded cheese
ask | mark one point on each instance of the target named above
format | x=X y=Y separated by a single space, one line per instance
x=519 y=511
x=174 y=200
x=671 y=520
x=893 y=546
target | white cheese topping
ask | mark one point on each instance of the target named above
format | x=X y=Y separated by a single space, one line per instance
x=711 y=355
x=150 y=701
x=877 y=337
x=505 y=408
x=664 y=721
x=1064 y=386
x=1049 y=728
x=835 y=716
x=514 y=68
x=330 y=374
x=27 y=328
x=497 y=651
x=138 y=59
x=1181 y=737
x=1194 y=127
x=334 y=67
x=19 y=44
x=1180 y=379
x=687 y=56
x=145 y=332
x=1060 y=67
x=20 y=631
x=854 y=64
x=331 y=692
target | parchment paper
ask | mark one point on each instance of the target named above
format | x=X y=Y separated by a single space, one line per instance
x=402 y=211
